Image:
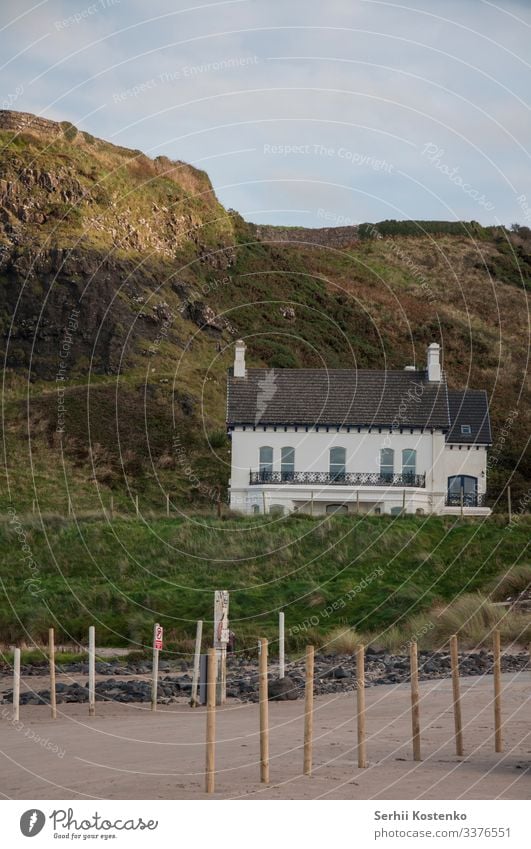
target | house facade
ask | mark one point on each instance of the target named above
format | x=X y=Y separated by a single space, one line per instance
x=356 y=441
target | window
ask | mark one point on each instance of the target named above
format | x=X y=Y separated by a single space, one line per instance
x=409 y=462
x=266 y=462
x=336 y=508
x=287 y=463
x=256 y=508
x=387 y=463
x=337 y=463
x=462 y=488
x=466 y=429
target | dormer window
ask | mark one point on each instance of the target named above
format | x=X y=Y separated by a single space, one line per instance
x=466 y=429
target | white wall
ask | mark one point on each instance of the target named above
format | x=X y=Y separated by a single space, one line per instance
x=312 y=450
x=467 y=461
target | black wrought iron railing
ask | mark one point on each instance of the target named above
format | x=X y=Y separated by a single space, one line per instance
x=470 y=499
x=337 y=478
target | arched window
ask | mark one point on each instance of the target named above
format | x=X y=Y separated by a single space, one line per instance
x=266 y=462
x=409 y=462
x=387 y=463
x=337 y=463
x=287 y=463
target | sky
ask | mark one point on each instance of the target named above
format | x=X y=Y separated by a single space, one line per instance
x=303 y=112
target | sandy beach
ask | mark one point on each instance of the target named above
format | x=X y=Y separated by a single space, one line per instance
x=127 y=752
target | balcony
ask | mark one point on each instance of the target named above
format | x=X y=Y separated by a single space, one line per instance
x=470 y=499
x=336 y=479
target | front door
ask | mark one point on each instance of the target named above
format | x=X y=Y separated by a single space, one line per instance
x=465 y=484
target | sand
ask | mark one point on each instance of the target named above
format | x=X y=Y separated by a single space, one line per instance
x=127 y=752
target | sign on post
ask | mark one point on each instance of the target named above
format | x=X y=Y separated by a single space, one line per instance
x=221 y=638
x=157 y=637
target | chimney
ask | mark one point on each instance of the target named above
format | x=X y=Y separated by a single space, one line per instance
x=239 y=359
x=434 y=363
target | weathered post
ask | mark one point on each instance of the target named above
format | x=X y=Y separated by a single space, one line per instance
x=281 y=657
x=457 y=696
x=92 y=670
x=51 y=653
x=462 y=500
x=308 y=711
x=16 y=685
x=360 y=691
x=498 y=741
x=168 y=505
x=211 y=721
x=197 y=655
x=264 y=714
x=509 y=504
x=157 y=645
x=415 y=714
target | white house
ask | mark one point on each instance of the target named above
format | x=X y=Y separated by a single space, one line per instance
x=356 y=440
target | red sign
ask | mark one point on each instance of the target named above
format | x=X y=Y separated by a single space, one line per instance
x=157 y=640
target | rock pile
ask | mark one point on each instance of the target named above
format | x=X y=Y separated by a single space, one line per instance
x=332 y=675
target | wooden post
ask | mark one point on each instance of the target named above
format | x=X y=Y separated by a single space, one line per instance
x=51 y=654
x=155 y=671
x=92 y=670
x=509 y=505
x=461 y=500
x=415 y=716
x=281 y=657
x=457 y=696
x=404 y=501
x=168 y=505
x=69 y=507
x=211 y=721
x=308 y=712
x=136 y=504
x=197 y=654
x=264 y=716
x=33 y=506
x=264 y=501
x=498 y=742
x=112 y=507
x=311 y=507
x=16 y=685
x=357 y=502
x=360 y=690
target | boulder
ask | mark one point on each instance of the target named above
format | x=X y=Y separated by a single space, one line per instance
x=282 y=689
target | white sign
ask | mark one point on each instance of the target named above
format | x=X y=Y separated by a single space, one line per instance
x=157 y=641
x=221 y=618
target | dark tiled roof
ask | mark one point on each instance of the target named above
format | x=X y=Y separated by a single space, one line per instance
x=469 y=407
x=346 y=397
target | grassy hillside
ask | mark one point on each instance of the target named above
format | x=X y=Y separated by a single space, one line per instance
x=373 y=574
x=162 y=280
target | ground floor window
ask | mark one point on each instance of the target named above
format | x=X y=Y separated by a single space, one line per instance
x=336 y=508
x=464 y=485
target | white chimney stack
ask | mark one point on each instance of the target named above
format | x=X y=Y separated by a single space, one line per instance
x=239 y=359
x=434 y=362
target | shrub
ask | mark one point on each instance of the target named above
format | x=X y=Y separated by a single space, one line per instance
x=516 y=580
x=341 y=640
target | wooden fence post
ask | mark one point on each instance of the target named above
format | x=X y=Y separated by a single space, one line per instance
x=155 y=671
x=168 y=505
x=415 y=715
x=457 y=696
x=360 y=692
x=264 y=714
x=211 y=721
x=462 y=500
x=92 y=670
x=194 y=701
x=16 y=685
x=509 y=504
x=136 y=505
x=498 y=741
x=112 y=507
x=308 y=711
x=281 y=656
x=51 y=654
